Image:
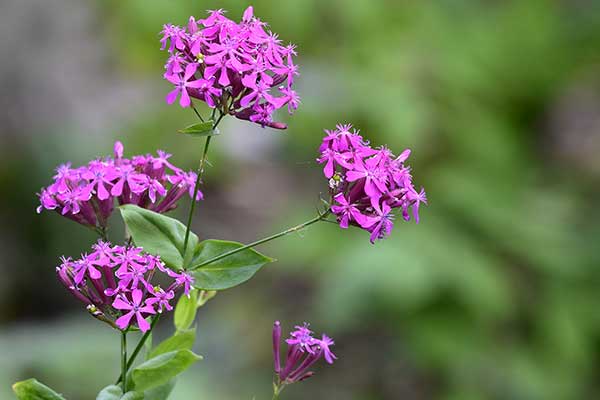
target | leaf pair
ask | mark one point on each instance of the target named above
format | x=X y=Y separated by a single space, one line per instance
x=164 y=236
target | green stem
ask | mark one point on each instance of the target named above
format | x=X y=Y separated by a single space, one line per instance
x=197 y=113
x=124 y=360
x=139 y=346
x=296 y=228
x=196 y=188
x=221 y=115
x=277 y=389
x=198 y=178
x=101 y=231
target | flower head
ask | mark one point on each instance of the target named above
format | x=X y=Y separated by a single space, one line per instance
x=239 y=67
x=116 y=281
x=87 y=194
x=367 y=184
x=303 y=351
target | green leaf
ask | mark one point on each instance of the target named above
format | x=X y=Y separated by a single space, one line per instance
x=158 y=235
x=185 y=311
x=200 y=129
x=182 y=340
x=112 y=392
x=133 y=396
x=161 y=392
x=148 y=345
x=161 y=369
x=31 y=389
x=226 y=272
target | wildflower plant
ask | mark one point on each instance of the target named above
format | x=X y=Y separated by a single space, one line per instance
x=238 y=69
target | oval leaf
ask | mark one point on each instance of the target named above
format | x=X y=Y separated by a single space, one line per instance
x=133 y=396
x=31 y=389
x=158 y=235
x=226 y=272
x=161 y=392
x=161 y=369
x=200 y=129
x=182 y=340
x=112 y=392
x=185 y=311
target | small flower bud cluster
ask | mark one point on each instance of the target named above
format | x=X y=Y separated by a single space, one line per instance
x=303 y=351
x=87 y=194
x=116 y=284
x=367 y=183
x=239 y=68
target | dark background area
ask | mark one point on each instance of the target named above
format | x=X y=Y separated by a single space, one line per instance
x=494 y=295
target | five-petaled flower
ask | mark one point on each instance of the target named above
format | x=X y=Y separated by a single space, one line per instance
x=134 y=307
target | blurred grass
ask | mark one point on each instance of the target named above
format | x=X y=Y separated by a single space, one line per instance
x=495 y=295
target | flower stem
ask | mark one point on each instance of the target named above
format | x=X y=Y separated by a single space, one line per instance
x=197 y=113
x=319 y=217
x=196 y=188
x=124 y=360
x=139 y=346
x=198 y=178
x=277 y=389
x=101 y=231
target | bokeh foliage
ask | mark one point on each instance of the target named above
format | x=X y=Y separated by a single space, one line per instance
x=495 y=295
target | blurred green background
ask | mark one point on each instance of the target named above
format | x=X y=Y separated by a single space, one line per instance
x=494 y=295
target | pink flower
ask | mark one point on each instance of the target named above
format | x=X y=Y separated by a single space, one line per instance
x=303 y=351
x=382 y=223
x=136 y=308
x=239 y=67
x=367 y=184
x=181 y=86
x=87 y=194
x=324 y=344
x=117 y=282
x=347 y=212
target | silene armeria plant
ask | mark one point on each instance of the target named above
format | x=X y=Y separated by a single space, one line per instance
x=238 y=69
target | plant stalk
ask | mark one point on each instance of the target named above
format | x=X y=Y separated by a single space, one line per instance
x=139 y=347
x=277 y=389
x=296 y=228
x=198 y=178
x=124 y=360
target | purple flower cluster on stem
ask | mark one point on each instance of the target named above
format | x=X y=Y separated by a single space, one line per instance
x=239 y=68
x=115 y=282
x=87 y=194
x=366 y=183
x=303 y=351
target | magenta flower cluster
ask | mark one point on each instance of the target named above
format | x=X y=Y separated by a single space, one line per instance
x=303 y=350
x=87 y=194
x=116 y=284
x=367 y=183
x=240 y=68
